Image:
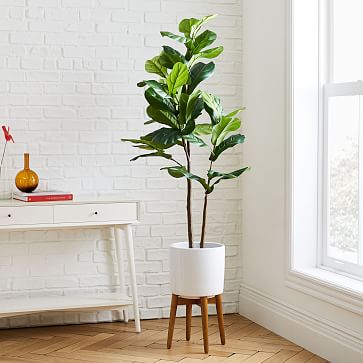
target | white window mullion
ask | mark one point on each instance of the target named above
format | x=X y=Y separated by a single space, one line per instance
x=360 y=242
x=343 y=89
x=327 y=18
x=325 y=178
x=326 y=53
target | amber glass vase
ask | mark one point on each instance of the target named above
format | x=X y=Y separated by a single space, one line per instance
x=26 y=180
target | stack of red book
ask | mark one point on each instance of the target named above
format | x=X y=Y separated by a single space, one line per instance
x=43 y=196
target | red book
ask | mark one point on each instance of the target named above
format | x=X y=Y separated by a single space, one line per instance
x=46 y=196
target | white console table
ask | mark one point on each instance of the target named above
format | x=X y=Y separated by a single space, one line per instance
x=16 y=215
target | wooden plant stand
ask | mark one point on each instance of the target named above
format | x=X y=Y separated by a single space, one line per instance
x=203 y=303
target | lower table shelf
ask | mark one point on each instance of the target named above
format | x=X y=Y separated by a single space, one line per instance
x=23 y=306
x=30 y=305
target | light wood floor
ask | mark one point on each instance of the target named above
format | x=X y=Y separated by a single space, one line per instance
x=117 y=342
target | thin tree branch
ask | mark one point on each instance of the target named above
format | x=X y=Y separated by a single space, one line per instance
x=176 y=161
x=204 y=217
x=2 y=157
x=204 y=222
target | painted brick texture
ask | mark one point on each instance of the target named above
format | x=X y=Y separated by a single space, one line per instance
x=68 y=73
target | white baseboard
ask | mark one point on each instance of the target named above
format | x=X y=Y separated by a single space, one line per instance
x=326 y=339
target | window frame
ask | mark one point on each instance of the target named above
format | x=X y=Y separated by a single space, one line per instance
x=329 y=89
x=303 y=271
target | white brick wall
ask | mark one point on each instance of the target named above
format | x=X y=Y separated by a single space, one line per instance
x=68 y=73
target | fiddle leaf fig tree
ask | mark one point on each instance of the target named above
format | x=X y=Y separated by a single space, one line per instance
x=175 y=104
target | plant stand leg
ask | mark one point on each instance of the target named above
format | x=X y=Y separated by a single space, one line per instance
x=220 y=318
x=173 y=308
x=204 y=306
x=189 y=308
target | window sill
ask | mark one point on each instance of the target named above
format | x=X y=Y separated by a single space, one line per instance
x=329 y=286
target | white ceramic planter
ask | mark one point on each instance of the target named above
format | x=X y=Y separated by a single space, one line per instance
x=196 y=272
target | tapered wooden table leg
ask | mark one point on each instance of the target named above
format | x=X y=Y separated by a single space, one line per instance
x=204 y=306
x=132 y=274
x=220 y=318
x=173 y=307
x=189 y=308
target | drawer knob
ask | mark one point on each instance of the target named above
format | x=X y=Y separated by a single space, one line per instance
x=96 y=212
x=9 y=215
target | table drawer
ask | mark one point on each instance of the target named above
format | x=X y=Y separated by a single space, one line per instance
x=97 y=212
x=26 y=215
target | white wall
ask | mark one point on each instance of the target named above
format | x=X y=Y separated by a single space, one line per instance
x=68 y=73
x=324 y=328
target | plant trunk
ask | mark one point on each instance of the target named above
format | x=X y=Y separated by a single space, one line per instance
x=189 y=201
x=189 y=213
x=202 y=236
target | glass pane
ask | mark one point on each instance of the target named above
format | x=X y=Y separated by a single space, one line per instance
x=347 y=40
x=343 y=227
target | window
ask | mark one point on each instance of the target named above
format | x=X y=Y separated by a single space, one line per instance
x=341 y=75
x=325 y=151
